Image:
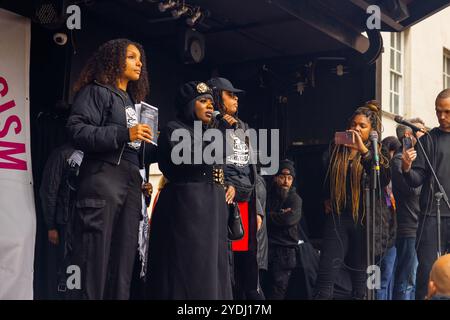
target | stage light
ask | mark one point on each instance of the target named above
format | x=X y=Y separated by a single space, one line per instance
x=179 y=12
x=163 y=6
x=195 y=17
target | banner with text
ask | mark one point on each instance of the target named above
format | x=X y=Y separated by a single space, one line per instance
x=17 y=210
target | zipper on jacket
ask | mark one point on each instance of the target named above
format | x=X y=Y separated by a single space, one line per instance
x=124 y=106
x=120 y=155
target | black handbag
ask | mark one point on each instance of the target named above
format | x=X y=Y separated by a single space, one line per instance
x=235 y=226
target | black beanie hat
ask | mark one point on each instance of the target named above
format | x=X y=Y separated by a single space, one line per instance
x=286 y=164
x=190 y=91
x=187 y=95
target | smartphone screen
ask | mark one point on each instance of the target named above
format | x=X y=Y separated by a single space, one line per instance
x=343 y=137
x=407 y=143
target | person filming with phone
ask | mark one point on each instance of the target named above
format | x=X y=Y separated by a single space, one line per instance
x=408 y=211
x=344 y=237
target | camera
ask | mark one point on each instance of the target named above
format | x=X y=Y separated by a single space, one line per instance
x=60 y=38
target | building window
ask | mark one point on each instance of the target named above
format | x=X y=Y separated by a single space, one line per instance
x=396 y=73
x=446 y=69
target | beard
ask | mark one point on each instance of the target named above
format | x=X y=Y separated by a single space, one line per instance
x=282 y=193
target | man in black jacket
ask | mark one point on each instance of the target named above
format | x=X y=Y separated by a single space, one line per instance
x=284 y=209
x=417 y=173
x=408 y=211
x=57 y=193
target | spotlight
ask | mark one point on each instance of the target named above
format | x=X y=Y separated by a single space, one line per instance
x=195 y=17
x=179 y=12
x=167 y=5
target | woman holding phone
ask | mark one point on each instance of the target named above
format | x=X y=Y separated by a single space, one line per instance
x=344 y=231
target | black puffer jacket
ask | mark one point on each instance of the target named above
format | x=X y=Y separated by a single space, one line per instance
x=97 y=125
x=55 y=191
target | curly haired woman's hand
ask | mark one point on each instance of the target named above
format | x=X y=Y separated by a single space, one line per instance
x=358 y=143
x=141 y=132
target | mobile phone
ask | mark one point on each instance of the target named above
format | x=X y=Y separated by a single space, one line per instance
x=345 y=137
x=407 y=143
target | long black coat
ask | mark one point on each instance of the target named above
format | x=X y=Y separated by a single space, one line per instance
x=188 y=255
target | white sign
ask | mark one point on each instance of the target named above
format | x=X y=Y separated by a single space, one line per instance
x=17 y=212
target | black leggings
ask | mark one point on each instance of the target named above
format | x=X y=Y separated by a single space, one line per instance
x=343 y=240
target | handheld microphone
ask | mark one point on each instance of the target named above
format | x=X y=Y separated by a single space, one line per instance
x=218 y=116
x=402 y=121
x=373 y=137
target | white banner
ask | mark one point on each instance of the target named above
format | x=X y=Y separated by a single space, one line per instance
x=17 y=212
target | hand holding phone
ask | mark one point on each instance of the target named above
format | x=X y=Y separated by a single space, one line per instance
x=407 y=143
x=345 y=137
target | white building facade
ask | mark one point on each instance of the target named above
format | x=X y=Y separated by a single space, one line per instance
x=415 y=67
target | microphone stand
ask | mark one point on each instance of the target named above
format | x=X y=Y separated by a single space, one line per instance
x=441 y=194
x=368 y=204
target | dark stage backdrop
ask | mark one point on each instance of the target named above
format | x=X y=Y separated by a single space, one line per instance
x=306 y=121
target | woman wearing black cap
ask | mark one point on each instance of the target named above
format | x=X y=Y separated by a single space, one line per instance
x=250 y=253
x=188 y=255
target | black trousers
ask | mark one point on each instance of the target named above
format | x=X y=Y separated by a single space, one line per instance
x=343 y=245
x=282 y=262
x=108 y=207
x=56 y=267
x=279 y=283
x=427 y=249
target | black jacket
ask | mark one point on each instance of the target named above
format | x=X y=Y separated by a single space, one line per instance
x=54 y=191
x=188 y=253
x=244 y=184
x=385 y=229
x=261 y=234
x=97 y=125
x=406 y=199
x=282 y=227
x=437 y=146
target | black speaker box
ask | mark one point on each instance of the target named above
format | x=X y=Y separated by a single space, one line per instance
x=192 y=46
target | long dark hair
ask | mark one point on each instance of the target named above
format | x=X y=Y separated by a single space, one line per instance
x=338 y=167
x=108 y=63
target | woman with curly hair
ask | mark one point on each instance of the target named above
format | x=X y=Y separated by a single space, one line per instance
x=344 y=240
x=103 y=124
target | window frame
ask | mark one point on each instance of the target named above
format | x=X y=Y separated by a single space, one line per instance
x=396 y=67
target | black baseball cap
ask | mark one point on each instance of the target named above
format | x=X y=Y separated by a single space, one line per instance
x=223 y=84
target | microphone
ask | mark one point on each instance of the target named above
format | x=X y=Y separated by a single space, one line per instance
x=218 y=116
x=373 y=137
x=402 y=121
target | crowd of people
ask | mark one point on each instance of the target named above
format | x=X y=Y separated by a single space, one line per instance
x=95 y=196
